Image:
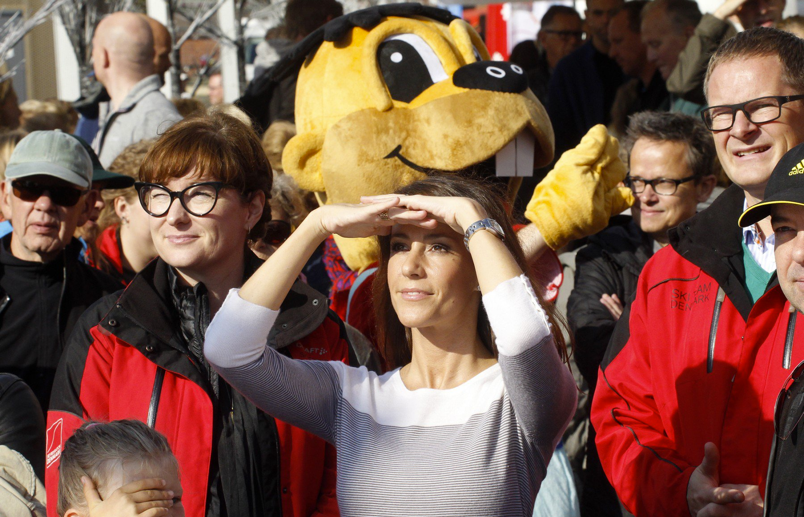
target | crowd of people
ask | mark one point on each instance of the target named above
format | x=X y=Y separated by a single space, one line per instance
x=172 y=341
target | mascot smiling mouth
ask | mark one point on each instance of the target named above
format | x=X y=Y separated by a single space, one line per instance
x=514 y=160
x=387 y=95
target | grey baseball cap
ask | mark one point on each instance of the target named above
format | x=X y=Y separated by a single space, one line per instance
x=51 y=153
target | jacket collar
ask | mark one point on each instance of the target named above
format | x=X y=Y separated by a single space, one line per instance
x=150 y=84
x=148 y=301
x=712 y=240
x=626 y=245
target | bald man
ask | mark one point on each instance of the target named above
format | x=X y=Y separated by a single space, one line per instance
x=162 y=46
x=123 y=55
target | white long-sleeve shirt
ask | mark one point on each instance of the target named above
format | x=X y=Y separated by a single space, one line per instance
x=481 y=448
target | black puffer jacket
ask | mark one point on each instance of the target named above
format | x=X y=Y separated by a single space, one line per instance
x=609 y=264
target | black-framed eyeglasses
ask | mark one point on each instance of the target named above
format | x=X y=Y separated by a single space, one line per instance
x=565 y=35
x=787 y=415
x=757 y=111
x=198 y=199
x=662 y=186
x=30 y=191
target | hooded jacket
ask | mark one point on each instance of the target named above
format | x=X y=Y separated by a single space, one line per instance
x=128 y=359
x=693 y=361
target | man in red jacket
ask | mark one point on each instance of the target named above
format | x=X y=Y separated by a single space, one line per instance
x=684 y=402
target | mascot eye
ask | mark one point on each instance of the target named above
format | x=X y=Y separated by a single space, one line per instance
x=409 y=66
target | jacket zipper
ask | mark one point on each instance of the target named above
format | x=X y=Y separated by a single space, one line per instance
x=710 y=356
x=4 y=303
x=58 y=309
x=788 y=340
x=153 y=407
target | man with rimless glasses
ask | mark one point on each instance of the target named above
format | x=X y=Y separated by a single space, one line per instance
x=43 y=286
x=684 y=402
x=672 y=163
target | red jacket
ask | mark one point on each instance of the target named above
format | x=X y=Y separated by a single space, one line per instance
x=680 y=373
x=131 y=365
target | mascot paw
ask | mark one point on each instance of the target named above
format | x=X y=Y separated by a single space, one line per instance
x=582 y=192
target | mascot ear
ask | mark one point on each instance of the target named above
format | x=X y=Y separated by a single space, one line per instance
x=301 y=159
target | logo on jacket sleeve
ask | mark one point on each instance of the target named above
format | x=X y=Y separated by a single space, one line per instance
x=55 y=442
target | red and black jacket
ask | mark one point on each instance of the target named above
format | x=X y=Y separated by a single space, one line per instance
x=126 y=360
x=693 y=361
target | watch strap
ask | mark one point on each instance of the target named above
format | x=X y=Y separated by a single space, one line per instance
x=487 y=224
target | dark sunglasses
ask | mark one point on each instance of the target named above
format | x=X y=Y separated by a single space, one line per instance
x=788 y=412
x=30 y=191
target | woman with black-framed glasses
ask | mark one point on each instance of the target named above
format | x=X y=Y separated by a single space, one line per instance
x=204 y=185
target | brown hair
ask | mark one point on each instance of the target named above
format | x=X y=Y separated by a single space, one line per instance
x=664 y=126
x=275 y=139
x=392 y=336
x=8 y=141
x=763 y=42
x=48 y=115
x=793 y=25
x=95 y=449
x=128 y=162
x=188 y=107
x=218 y=146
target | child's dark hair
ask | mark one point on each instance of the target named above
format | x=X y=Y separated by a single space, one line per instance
x=97 y=448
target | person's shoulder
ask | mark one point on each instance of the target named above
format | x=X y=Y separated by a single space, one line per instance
x=617 y=237
x=105 y=282
x=579 y=57
x=98 y=309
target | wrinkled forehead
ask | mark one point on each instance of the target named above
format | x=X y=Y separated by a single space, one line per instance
x=741 y=78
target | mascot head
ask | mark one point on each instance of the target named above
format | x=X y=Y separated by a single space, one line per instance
x=390 y=94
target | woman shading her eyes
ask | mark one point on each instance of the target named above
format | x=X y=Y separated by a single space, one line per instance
x=467 y=422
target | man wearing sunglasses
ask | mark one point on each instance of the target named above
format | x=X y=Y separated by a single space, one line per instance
x=684 y=401
x=43 y=286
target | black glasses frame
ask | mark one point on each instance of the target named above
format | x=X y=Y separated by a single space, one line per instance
x=792 y=420
x=629 y=182
x=141 y=186
x=706 y=114
x=565 y=34
x=30 y=191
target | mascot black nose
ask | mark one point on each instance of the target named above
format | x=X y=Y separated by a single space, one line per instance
x=493 y=76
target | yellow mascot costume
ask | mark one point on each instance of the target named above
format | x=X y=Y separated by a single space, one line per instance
x=387 y=95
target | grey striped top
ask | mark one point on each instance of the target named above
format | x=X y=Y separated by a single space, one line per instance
x=479 y=449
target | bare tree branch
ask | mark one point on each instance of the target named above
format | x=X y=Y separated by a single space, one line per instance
x=16 y=28
x=199 y=21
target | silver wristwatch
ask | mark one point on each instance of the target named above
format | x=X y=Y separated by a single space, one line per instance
x=487 y=224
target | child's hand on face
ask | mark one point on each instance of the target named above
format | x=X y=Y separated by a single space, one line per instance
x=141 y=498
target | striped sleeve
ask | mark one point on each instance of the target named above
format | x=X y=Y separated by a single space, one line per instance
x=539 y=384
x=304 y=394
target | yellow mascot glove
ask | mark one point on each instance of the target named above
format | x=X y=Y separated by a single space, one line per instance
x=579 y=195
